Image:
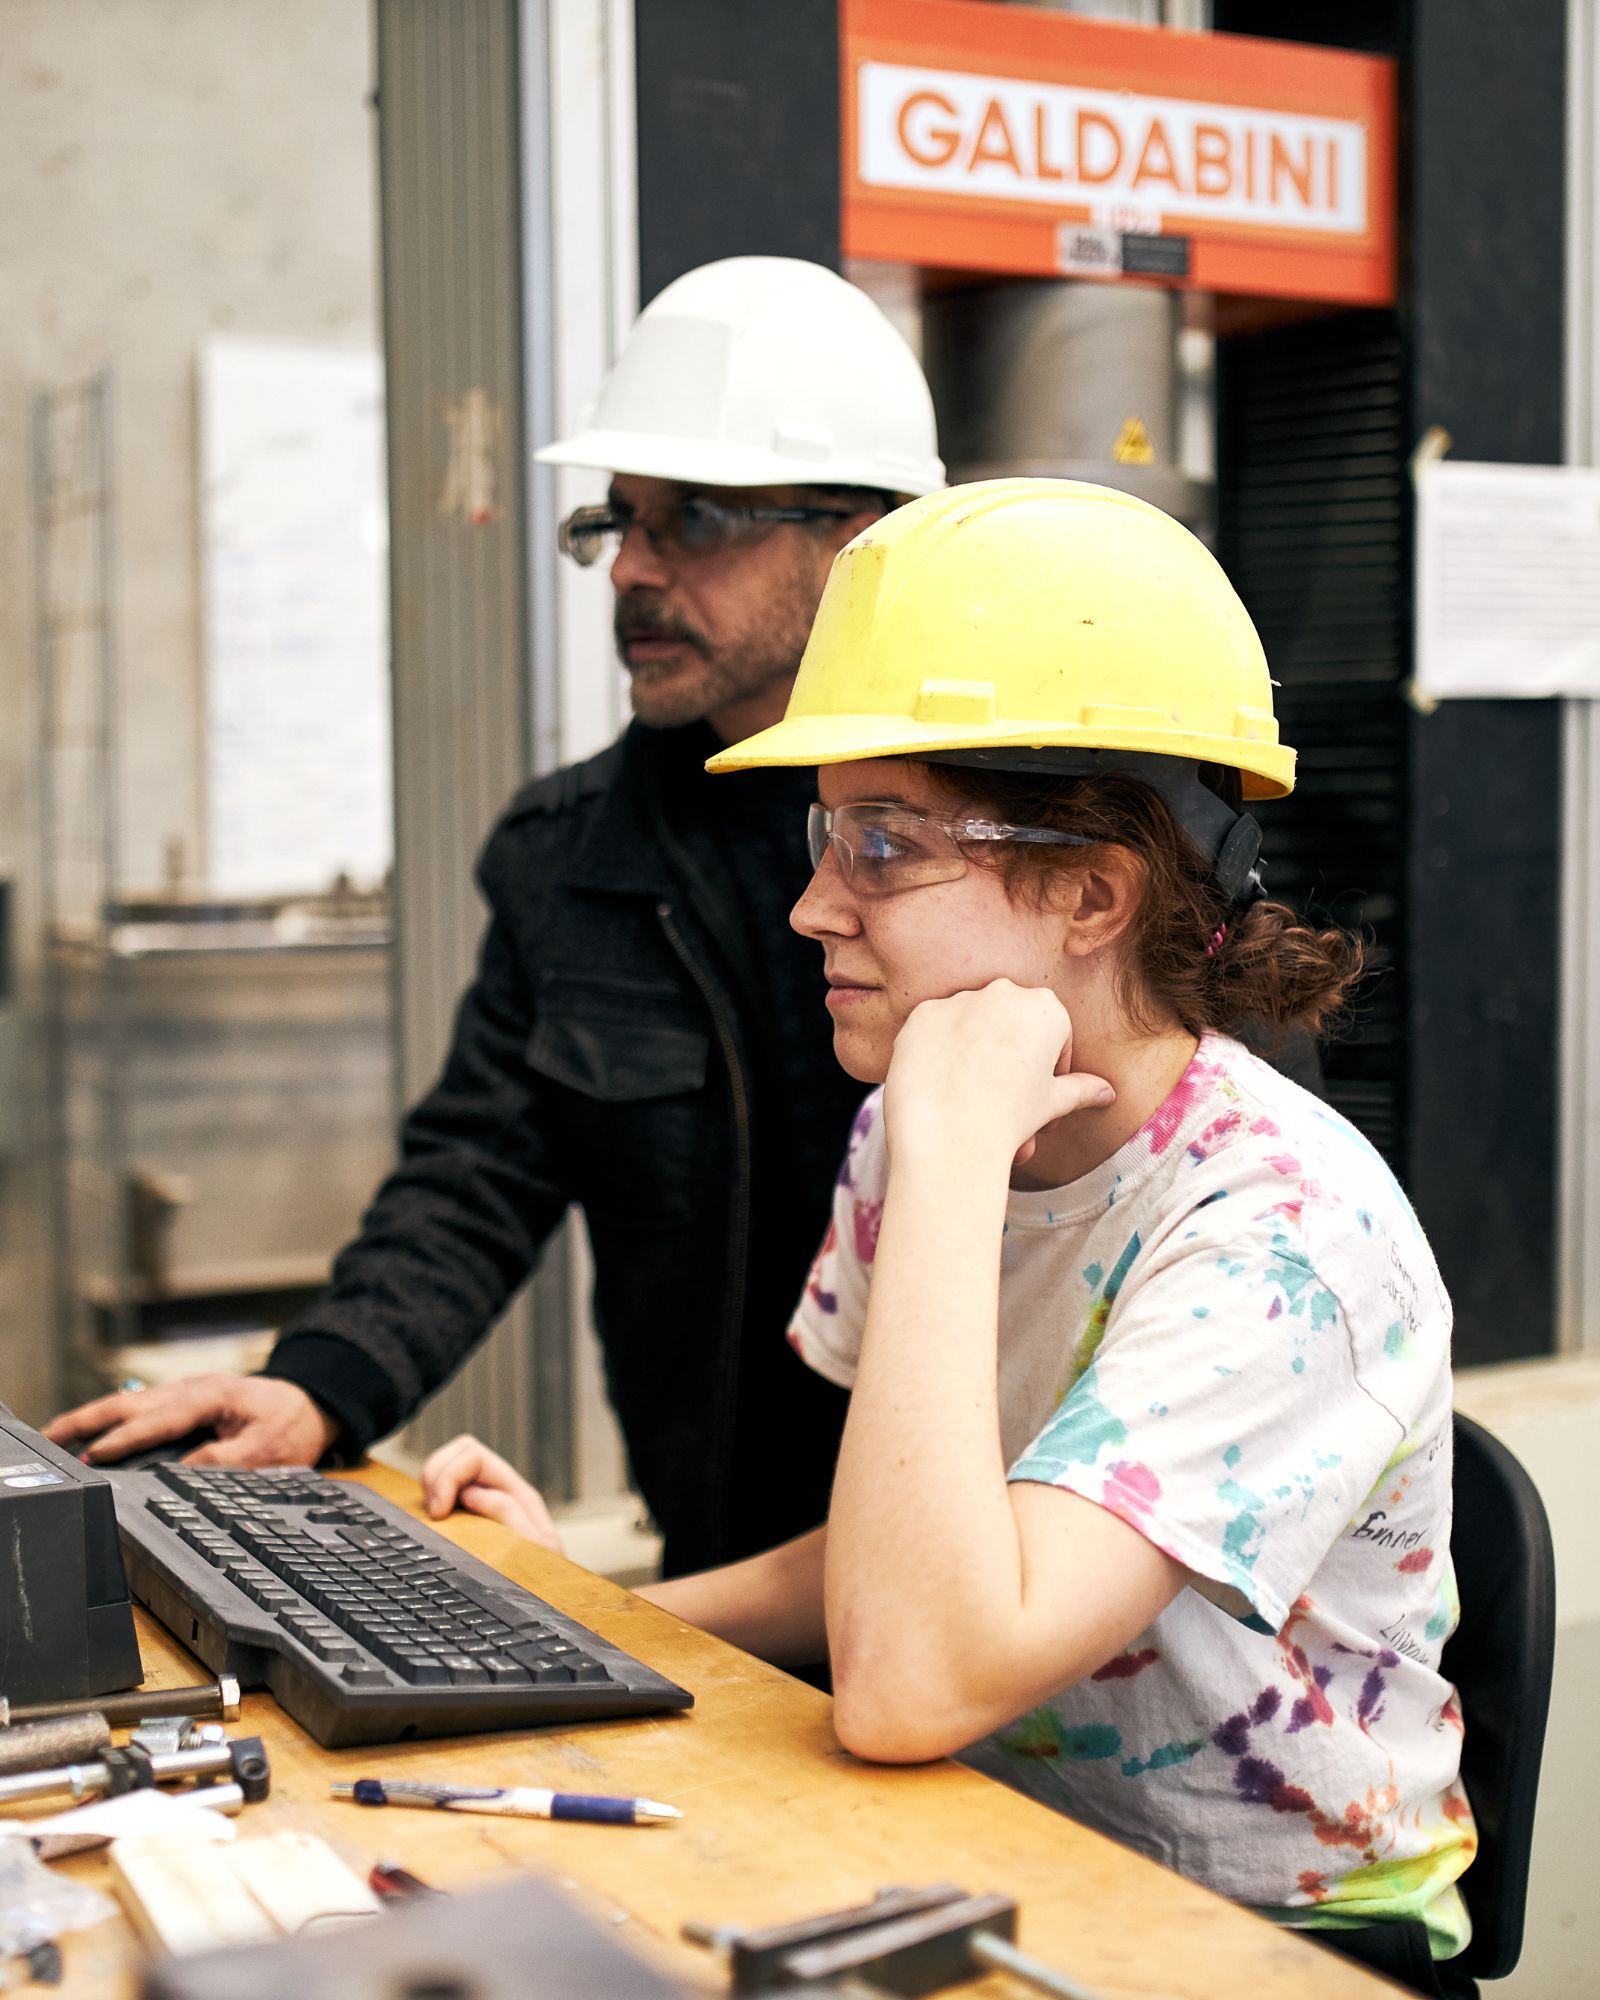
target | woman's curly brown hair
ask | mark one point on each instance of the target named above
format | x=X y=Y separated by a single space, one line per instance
x=1270 y=970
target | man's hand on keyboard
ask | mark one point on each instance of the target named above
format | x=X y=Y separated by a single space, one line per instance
x=466 y=1473
x=255 y=1419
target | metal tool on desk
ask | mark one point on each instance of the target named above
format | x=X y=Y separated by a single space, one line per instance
x=904 y=1941
x=217 y=1699
x=244 y=1761
x=75 y=1739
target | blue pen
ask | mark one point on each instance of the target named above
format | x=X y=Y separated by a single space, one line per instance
x=513 y=1801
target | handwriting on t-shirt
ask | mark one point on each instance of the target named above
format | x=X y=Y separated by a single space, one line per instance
x=1386 y=1538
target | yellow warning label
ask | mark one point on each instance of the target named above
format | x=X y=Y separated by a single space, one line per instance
x=1133 y=446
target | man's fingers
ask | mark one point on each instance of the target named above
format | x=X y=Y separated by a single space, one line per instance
x=88 y=1418
x=163 y=1417
x=245 y=1447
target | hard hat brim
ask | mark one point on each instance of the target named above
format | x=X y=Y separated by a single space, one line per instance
x=711 y=462
x=1266 y=769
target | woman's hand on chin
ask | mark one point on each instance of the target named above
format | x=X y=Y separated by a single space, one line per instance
x=984 y=1072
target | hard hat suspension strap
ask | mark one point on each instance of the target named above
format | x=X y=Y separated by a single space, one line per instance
x=1229 y=841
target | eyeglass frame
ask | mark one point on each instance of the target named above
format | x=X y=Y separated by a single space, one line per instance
x=599 y=519
x=973 y=830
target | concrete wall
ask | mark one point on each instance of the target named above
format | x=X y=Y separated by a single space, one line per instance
x=169 y=169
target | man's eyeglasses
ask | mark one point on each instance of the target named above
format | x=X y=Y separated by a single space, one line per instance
x=690 y=526
x=883 y=848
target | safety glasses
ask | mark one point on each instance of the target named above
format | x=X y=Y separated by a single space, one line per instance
x=882 y=848
x=690 y=526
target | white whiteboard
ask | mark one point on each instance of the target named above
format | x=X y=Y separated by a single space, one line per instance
x=294 y=547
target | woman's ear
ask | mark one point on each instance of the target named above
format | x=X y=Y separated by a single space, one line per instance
x=1103 y=901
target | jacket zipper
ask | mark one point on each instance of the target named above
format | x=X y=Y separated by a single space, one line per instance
x=739 y=1241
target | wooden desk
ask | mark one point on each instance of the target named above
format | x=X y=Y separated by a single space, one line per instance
x=780 y=1823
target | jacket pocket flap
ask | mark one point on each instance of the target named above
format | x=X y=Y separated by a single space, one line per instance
x=616 y=1061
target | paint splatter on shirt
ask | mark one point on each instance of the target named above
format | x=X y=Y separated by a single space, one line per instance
x=1245 y=1356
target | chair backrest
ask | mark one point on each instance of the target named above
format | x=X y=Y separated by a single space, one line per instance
x=1501 y=1658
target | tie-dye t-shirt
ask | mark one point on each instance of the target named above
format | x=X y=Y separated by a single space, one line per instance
x=1233 y=1335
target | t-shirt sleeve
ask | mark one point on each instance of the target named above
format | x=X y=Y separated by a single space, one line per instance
x=826 y=1328
x=1237 y=1410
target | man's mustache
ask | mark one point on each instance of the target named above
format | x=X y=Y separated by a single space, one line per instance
x=638 y=618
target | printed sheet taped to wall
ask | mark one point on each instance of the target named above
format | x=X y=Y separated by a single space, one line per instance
x=1508 y=580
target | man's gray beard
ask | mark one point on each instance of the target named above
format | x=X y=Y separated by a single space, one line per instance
x=702 y=694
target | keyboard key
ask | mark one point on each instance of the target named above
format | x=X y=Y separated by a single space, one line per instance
x=365 y=1677
x=423 y=1672
x=360 y=1538
x=332 y=1646
x=529 y=1656
x=463 y=1672
x=504 y=1672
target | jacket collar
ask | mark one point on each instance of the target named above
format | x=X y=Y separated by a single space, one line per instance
x=624 y=848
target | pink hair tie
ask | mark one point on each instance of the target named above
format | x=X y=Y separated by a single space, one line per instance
x=1217 y=936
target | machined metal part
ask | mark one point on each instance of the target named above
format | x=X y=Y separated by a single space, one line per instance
x=244 y=1761
x=909 y=1941
x=218 y=1698
x=66 y=1739
x=1035 y=380
x=164 y=1734
x=161 y=1735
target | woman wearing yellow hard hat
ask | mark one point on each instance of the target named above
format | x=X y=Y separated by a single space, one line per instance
x=1144 y=1499
x=1143 y=1505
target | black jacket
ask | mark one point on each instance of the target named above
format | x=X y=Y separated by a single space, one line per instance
x=617 y=1050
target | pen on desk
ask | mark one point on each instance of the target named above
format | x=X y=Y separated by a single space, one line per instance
x=514 y=1801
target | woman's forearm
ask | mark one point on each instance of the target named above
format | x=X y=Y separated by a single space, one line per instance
x=923 y=1546
x=956 y=1601
x=770 y=1604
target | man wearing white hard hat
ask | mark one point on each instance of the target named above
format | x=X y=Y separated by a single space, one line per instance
x=645 y=1035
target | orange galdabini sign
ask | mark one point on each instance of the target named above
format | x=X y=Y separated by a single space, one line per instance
x=1018 y=139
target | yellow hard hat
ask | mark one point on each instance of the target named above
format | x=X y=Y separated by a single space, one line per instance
x=1037 y=615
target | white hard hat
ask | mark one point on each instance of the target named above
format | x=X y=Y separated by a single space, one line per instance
x=763 y=371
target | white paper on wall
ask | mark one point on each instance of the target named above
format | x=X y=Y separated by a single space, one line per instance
x=1508 y=580
x=295 y=562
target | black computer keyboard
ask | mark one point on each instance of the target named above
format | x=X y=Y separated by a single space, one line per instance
x=364 y=1624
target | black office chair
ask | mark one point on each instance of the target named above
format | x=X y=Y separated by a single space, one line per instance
x=1500 y=1658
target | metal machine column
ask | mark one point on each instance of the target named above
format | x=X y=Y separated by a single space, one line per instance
x=450 y=126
